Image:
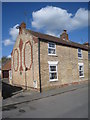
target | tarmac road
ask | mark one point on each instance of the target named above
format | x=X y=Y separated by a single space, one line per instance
x=73 y=104
x=0 y=99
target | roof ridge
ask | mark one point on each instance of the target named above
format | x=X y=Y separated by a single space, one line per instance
x=57 y=40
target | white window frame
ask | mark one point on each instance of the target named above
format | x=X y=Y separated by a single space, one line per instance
x=81 y=64
x=51 y=48
x=89 y=55
x=10 y=74
x=53 y=63
x=80 y=53
x=35 y=83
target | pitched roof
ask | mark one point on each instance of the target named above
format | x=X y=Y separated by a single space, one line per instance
x=86 y=43
x=57 y=40
x=7 y=65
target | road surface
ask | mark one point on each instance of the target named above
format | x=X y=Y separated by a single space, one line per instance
x=73 y=104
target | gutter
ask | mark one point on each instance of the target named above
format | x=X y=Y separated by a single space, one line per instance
x=68 y=44
x=39 y=64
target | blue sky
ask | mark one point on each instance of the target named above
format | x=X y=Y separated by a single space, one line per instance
x=50 y=18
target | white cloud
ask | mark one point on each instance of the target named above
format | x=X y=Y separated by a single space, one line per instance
x=8 y=42
x=53 y=19
x=80 y=19
x=14 y=32
x=9 y=56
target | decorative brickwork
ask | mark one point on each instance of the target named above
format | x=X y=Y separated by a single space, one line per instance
x=28 y=55
x=12 y=53
x=16 y=59
x=35 y=39
x=23 y=25
x=20 y=47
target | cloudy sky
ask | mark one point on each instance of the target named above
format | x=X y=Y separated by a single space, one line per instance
x=49 y=18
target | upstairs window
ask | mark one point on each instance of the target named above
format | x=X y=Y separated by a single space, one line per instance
x=89 y=55
x=79 y=53
x=51 y=48
x=81 y=69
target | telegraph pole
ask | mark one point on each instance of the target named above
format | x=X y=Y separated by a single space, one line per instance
x=25 y=14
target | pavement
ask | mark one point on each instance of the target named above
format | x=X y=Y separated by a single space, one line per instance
x=0 y=88
x=72 y=104
x=28 y=95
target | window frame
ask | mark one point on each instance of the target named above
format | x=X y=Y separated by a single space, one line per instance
x=81 y=64
x=89 y=55
x=80 y=53
x=53 y=63
x=51 y=48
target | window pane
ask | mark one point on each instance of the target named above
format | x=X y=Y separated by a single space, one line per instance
x=52 y=45
x=80 y=73
x=89 y=55
x=53 y=75
x=79 y=50
x=51 y=51
x=79 y=55
x=81 y=68
x=52 y=68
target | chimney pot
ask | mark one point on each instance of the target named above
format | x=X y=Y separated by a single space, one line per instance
x=22 y=26
x=86 y=43
x=64 y=35
x=65 y=31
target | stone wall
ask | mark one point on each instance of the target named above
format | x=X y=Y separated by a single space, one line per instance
x=68 y=71
x=25 y=65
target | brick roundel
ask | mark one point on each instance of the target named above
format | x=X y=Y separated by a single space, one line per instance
x=28 y=55
x=15 y=59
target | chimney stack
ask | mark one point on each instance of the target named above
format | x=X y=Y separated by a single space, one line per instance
x=86 y=43
x=22 y=26
x=64 y=35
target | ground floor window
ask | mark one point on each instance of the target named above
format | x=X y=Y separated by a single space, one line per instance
x=35 y=84
x=53 y=74
x=10 y=74
x=81 y=69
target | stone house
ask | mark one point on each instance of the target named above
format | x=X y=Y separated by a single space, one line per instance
x=42 y=62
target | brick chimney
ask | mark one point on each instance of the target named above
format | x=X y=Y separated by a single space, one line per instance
x=86 y=43
x=22 y=26
x=64 y=35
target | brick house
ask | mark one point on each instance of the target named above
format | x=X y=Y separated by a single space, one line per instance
x=41 y=62
x=0 y=70
x=6 y=69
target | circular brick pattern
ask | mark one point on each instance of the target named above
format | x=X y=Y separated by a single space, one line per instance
x=16 y=59
x=28 y=55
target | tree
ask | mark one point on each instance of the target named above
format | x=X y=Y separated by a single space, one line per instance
x=4 y=59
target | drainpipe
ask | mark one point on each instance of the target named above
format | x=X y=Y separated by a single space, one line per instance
x=39 y=64
x=32 y=61
x=12 y=67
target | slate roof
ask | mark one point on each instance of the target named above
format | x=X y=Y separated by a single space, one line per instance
x=45 y=37
x=7 y=65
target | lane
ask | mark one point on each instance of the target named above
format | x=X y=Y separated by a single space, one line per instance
x=0 y=99
x=73 y=104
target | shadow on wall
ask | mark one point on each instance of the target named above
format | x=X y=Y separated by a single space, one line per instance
x=9 y=90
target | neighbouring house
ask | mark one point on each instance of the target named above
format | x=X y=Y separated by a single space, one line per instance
x=6 y=69
x=40 y=61
x=0 y=70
